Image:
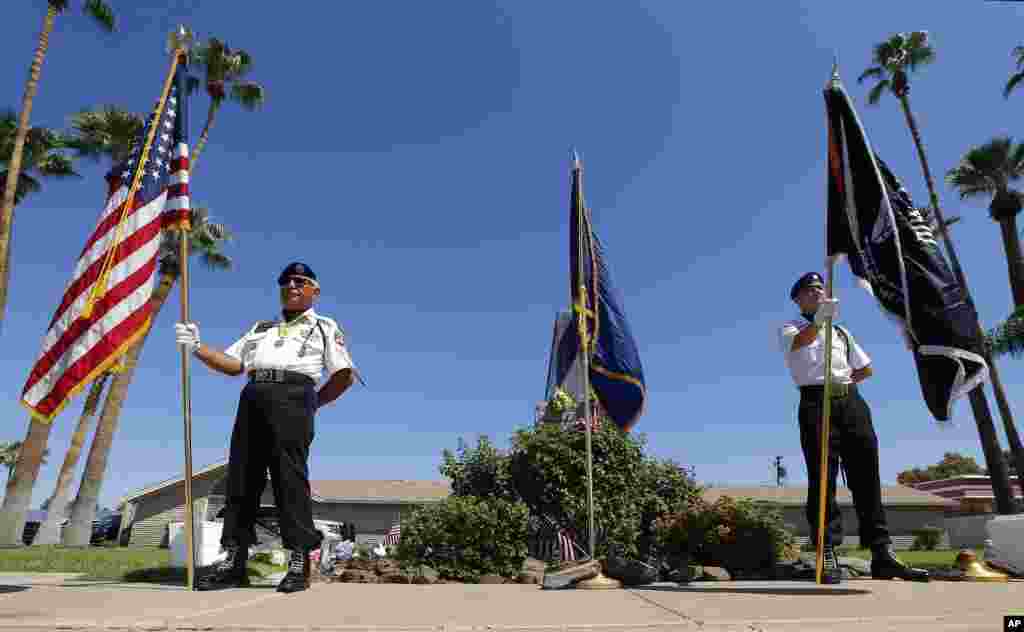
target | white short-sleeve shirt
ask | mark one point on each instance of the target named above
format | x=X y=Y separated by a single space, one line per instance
x=807 y=365
x=309 y=344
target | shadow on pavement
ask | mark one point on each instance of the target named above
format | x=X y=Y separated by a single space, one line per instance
x=4 y=589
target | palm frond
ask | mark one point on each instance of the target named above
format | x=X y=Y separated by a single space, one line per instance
x=249 y=95
x=101 y=12
x=1007 y=337
x=873 y=72
x=1018 y=52
x=57 y=166
x=876 y=93
x=1015 y=79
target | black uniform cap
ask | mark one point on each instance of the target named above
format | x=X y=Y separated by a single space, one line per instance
x=299 y=270
x=811 y=278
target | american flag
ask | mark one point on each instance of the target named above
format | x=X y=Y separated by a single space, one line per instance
x=394 y=535
x=567 y=545
x=105 y=308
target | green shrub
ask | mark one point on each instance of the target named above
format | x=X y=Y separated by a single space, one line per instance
x=926 y=538
x=734 y=534
x=263 y=558
x=464 y=537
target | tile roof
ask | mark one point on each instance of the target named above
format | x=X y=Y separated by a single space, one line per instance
x=892 y=495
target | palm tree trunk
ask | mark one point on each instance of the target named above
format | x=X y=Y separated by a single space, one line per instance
x=49 y=531
x=205 y=136
x=14 y=166
x=1014 y=260
x=83 y=512
x=19 y=486
x=979 y=404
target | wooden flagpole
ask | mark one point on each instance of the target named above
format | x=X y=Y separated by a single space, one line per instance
x=179 y=42
x=823 y=473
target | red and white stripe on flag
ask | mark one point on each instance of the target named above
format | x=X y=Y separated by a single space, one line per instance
x=393 y=536
x=120 y=256
x=566 y=543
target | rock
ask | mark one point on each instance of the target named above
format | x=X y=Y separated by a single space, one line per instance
x=387 y=566
x=715 y=573
x=395 y=577
x=353 y=576
x=530 y=578
x=531 y=564
x=492 y=579
x=361 y=565
x=423 y=579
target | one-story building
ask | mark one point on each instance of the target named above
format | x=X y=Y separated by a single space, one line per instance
x=907 y=510
x=374 y=506
x=972 y=492
x=371 y=506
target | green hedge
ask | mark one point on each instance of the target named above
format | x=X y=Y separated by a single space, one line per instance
x=465 y=537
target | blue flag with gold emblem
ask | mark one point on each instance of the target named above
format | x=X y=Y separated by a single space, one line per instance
x=616 y=375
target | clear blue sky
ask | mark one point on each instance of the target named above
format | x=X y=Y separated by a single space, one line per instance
x=416 y=156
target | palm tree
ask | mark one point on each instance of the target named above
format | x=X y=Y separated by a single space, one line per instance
x=987 y=171
x=106 y=132
x=206 y=239
x=9 y=455
x=1018 y=76
x=43 y=156
x=49 y=531
x=102 y=14
x=225 y=69
x=109 y=132
x=894 y=59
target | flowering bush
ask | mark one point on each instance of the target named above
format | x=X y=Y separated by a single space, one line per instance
x=734 y=534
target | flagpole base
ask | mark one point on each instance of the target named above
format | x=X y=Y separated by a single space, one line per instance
x=601 y=582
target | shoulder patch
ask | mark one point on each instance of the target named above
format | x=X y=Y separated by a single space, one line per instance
x=263 y=325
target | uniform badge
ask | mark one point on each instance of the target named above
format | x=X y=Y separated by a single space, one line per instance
x=338 y=338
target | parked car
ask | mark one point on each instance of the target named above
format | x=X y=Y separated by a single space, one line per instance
x=105 y=528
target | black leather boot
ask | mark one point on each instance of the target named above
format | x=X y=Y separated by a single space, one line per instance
x=831 y=573
x=228 y=573
x=297 y=577
x=885 y=565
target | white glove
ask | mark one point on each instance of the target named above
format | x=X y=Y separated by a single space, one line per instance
x=187 y=335
x=828 y=310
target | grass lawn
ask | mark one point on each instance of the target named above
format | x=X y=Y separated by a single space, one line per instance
x=131 y=564
x=918 y=559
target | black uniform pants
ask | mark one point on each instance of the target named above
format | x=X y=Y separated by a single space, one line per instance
x=852 y=438
x=273 y=431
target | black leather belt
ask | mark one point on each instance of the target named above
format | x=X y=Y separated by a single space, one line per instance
x=836 y=391
x=280 y=376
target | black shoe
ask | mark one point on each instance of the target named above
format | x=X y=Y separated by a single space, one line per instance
x=885 y=565
x=831 y=573
x=228 y=573
x=297 y=577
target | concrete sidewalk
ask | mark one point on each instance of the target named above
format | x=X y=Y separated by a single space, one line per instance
x=726 y=606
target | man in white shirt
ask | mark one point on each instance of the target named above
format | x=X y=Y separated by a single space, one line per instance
x=274 y=427
x=851 y=433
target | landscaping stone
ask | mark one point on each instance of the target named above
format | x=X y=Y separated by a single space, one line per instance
x=354 y=576
x=394 y=577
x=530 y=578
x=492 y=579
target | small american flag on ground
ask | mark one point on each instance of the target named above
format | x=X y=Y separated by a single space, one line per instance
x=567 y=545
x=105 y=308
x=393 y=536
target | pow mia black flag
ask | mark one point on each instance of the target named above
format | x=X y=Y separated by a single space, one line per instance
x=891 y=249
